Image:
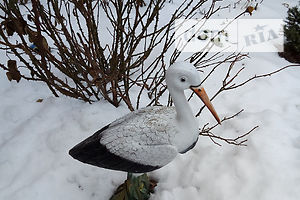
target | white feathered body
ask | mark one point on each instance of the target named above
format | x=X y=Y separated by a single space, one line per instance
x=144 y=136
x=141 y=141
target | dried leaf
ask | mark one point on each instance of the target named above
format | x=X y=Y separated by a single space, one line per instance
x=31 y=34
x=20 y=25
x=250 y=9
x=9 y=27
x=8 y=76
x=15 y=25
x=45 y=43
x=13 y=72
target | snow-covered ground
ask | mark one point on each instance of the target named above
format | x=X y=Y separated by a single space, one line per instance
x=35 y=139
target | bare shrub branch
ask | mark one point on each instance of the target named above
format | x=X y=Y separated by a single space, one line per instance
x=68 y=36
x=239 y=140
x=66 y=45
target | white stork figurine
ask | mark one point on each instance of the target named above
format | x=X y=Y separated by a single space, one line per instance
x=151 y=137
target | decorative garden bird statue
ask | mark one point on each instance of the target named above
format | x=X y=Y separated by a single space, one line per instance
x=149 y=138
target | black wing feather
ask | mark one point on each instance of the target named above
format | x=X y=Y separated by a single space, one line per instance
x=91 y=151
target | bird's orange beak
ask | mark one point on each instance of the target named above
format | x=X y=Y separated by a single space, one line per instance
x=203 y=96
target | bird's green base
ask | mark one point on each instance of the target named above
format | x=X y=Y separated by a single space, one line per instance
x=134 y=188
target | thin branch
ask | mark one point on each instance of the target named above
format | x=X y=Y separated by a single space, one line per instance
x=238 y=141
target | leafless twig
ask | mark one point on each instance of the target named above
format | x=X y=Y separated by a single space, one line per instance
x=239 y=140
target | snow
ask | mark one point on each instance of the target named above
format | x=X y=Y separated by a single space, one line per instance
x=35 y=139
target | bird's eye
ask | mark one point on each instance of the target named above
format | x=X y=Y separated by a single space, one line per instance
x=182 y=79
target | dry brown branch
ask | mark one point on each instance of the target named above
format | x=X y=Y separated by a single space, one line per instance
x=233 y=86
x=204 y=129
x=239 y=140
x=94 y=68
x=228 y=81
x=228 y=84
x=69 y=38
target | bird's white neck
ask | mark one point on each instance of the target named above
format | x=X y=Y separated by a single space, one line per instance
x=186 y=122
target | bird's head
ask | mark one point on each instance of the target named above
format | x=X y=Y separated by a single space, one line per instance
x=182 y=76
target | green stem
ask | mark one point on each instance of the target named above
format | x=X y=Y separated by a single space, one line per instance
x=129 y=176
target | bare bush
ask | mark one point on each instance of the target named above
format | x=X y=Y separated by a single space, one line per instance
x=61 y=43
x=79 y=62
x=91 y=50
